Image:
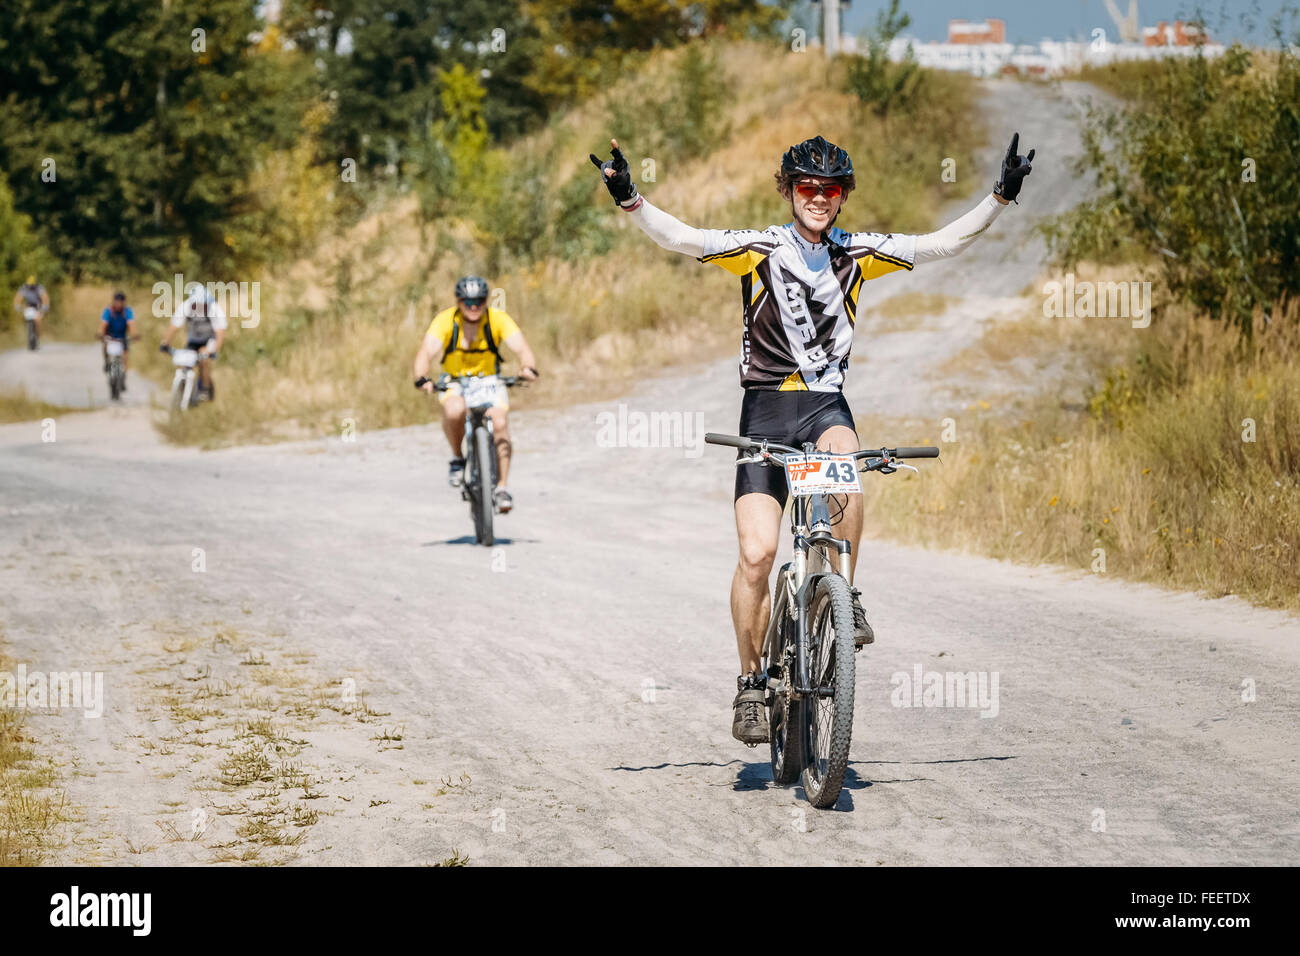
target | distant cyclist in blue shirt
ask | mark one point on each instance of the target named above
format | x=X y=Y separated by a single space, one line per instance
x=117 y=322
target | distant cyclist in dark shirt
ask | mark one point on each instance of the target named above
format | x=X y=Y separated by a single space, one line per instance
x=117 y=322
x=32 y=295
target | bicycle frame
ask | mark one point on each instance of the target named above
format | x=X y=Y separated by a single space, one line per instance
x=815 y=551
x=810 y=687
x=476 y=418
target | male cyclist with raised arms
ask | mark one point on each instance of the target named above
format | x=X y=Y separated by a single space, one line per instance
x=466 y=338
x=799 y=290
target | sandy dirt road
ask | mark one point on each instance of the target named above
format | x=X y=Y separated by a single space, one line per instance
x=69 y=374
x=307 y=660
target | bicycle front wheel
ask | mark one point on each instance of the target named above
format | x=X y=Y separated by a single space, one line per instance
x=481 y=500
x=830 y=712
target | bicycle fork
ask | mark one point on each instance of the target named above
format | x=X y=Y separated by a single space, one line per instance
x=802 y=583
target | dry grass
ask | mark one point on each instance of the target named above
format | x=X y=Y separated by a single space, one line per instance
x=1145 y=474
x=1020 y=350
x=15 y=406
x=913 y=303
x=31 y=812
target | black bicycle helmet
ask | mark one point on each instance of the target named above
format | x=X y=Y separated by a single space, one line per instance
x=816 y=157
x=472 y=287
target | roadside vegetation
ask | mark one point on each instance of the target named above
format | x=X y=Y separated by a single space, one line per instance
x=32 y=811
x=1168 y=454
x=17 y=406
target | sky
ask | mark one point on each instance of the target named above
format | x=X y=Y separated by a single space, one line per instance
x=1029 y=21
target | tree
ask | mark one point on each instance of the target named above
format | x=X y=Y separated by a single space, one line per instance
x=131 y=128
x=877 y=82
x=21 y=254
x=379 y=63
x=584 y=43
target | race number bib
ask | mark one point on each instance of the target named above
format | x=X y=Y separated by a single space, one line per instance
x=481 y=390
x=822 y=475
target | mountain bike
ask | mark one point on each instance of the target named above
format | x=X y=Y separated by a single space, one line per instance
x=113 y=350
x=478 y=447
x=808 y=648
x=30 y=315
x=186 y=361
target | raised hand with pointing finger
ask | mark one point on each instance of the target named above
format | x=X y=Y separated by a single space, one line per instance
x=1014 y=170
x=617 y=177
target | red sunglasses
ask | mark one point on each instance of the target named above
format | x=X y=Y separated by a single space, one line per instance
x=829 y=190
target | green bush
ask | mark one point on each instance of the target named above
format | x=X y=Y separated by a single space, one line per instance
x=21 y=254
x=687 y=120
x=882 y=85
x=1199 y=174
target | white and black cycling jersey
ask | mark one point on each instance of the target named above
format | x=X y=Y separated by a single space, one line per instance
x=201 y=316
x=800 y=298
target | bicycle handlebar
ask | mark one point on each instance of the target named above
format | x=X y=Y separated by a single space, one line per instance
x=735 y=441
x=748 y=444
x=918 y=451
x=509 y=381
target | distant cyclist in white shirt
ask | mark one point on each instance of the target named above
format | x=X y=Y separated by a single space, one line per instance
x=799 y=287
x=205 y=330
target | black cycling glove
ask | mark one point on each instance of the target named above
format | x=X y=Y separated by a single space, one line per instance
x=1014 y=170
x=620 y=183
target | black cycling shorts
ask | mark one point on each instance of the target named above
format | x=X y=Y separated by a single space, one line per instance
x=790 y=418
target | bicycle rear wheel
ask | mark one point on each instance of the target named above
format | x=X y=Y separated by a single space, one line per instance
x=832 y=666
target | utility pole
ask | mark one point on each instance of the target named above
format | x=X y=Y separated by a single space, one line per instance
x=831 y=26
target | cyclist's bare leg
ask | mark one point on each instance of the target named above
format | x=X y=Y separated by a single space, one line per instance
x=758 y=530
x=501 y=432
x=841 y=440
x=205 y=372
x=453 y=422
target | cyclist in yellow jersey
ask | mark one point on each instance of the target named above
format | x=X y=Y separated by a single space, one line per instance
x=466 y=338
